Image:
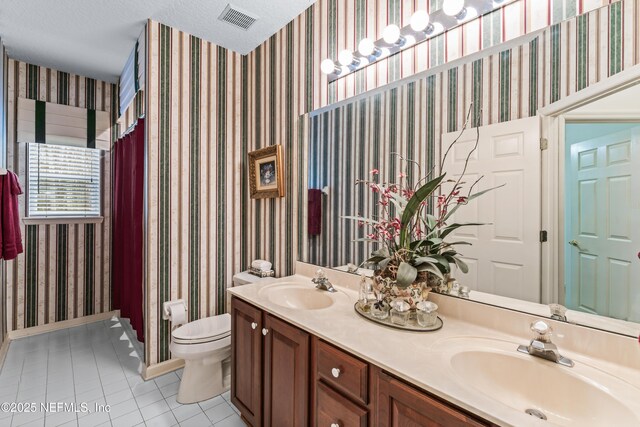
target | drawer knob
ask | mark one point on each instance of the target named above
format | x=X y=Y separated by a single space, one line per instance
x=335 y=425
x=254 y=325
x=336 y=373
x=265 y=331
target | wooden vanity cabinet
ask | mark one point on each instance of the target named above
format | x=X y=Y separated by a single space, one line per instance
x=282 y=376
x=399 y=404
x=269 y=368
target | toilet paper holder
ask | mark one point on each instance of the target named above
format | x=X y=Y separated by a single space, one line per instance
x=166 y=308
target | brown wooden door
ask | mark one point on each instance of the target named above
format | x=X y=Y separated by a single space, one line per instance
x=286 y=374
x=246 y=360
x=400 y=405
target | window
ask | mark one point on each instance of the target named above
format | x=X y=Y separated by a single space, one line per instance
x=63 y=181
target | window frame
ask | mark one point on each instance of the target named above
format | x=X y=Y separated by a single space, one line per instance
x=63 y=219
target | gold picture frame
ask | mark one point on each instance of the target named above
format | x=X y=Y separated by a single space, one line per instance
x=266 y=178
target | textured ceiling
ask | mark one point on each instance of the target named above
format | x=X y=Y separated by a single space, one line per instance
x=94 y=37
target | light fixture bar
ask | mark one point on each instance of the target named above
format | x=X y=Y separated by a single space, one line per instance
x=394 y=41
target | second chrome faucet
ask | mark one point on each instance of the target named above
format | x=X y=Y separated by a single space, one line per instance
x=541 y=345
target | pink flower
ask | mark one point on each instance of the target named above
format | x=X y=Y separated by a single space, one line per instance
x=462 y=200
x=402 y=175
x=383 y=202
x=361 y=223
x=441 y=200
x=374 y=188
x=396 y=223
x=375 y=171
x=408 y=193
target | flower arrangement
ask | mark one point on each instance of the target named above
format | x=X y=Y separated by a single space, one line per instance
x=412 y=226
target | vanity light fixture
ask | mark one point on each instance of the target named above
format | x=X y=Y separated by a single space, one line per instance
x=346 y=59
x=391 y=35
x=368 y=48
x=454 y=8
x=423 y=25
x=327 y=66
x=420 y=22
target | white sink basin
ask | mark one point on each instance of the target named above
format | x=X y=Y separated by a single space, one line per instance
x=298 y=296
x=580 y=396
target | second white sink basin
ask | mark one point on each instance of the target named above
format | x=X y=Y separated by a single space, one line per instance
x=580 y=396
x=297 y=296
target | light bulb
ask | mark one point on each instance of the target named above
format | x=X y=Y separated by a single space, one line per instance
x=327 y=66
x=345 y=57
x=453 y=7
x=367 y=48
x=391 y=35
x=419 y=21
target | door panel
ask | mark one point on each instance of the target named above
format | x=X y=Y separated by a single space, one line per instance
x=286 y=374
x=603 y=229
x=504 y=258
x=246 y=360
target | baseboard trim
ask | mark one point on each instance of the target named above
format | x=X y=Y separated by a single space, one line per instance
x=63 y=324
x=4 y=349
x=153 y=371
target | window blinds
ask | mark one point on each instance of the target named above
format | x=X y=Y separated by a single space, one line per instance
x=133 y=74
x=63 y=181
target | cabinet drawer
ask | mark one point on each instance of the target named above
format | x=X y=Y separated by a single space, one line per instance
x=343 y=371
x=334 y=410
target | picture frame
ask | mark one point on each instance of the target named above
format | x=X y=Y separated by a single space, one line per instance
x=266 y=177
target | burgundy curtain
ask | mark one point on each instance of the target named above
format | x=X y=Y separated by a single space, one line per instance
x=127 y=216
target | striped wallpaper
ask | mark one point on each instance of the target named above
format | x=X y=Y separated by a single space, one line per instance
x=208 y=107
x=507 y=85
x=195 y=159
x=64 y=272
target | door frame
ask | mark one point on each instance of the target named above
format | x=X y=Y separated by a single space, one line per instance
x=553 y=120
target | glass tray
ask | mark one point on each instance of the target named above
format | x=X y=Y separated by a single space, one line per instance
x=412 y=324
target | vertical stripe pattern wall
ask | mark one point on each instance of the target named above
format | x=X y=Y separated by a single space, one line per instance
x=64 y=272
x=195 y=151
x=250 y=102
x=510 y=91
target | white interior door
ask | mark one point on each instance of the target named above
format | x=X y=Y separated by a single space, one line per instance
x=603 y=231
x=504 y=258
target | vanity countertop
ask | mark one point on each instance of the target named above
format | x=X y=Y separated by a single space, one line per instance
x=413 y=356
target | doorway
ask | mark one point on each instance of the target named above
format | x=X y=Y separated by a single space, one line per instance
x=602 y=218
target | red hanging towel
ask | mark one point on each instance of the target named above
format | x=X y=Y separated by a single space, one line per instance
x=10 y=237
x=314 y=213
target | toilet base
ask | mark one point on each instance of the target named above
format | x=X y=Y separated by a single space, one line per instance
x=203 y=379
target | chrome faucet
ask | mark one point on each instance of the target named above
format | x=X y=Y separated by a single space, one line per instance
x=541 y=345
x=322 y=282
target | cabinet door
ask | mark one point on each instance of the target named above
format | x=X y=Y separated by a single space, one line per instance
x=399 y=404
x=246 y=360
x=286 y=374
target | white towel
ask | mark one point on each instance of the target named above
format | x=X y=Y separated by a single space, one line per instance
x=261 y=264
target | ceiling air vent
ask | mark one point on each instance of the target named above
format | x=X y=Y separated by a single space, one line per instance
x=235 y=16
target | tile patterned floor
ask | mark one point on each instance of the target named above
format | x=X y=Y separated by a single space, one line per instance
x=96 y=364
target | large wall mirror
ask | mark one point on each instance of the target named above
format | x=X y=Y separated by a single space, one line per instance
x=564 y=225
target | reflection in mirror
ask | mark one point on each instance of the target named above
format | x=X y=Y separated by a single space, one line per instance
x=598 y=213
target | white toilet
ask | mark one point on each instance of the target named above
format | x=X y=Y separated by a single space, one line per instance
x=205 y=346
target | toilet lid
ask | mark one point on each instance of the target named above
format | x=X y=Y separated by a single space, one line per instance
x=203 y=330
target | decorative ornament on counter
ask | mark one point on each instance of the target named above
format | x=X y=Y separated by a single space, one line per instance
x=411 y=224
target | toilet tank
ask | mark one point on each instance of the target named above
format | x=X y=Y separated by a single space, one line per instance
x=244 y=278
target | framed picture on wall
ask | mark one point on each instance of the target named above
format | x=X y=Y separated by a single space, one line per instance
x=265 y=173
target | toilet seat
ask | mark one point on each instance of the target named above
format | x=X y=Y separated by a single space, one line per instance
x=203 y=331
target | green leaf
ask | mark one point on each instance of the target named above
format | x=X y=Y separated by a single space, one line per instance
x=383 y=264
x=406 y=274
x=361 y=218
x=413 y=206
x=443 y=263
x=461 y=265
x=375 y=259
x=382 y=252
x=432 y=268
x=451 y=228
x=431 y=221
x=429 y=259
